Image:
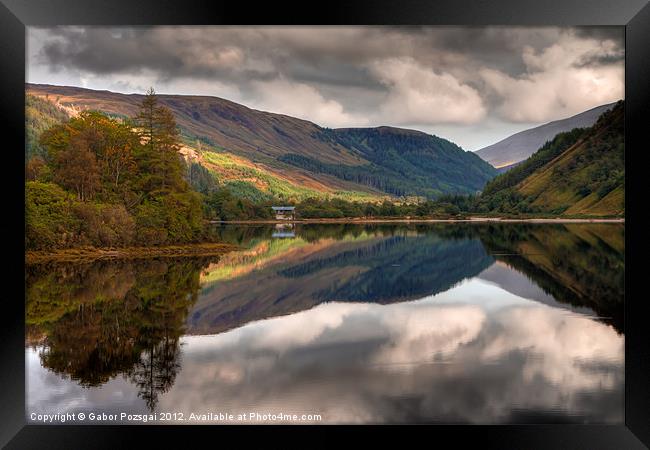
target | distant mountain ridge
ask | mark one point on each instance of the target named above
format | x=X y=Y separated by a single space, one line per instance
x=368 y=161
x=519 y=146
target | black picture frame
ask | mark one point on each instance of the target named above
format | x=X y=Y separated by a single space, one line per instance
x=15 y=15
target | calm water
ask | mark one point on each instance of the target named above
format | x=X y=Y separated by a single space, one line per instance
x=456 y=323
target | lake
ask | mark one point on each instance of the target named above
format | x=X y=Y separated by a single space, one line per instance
x=428 y=323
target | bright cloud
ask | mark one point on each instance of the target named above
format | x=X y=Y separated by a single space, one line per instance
x=419 y=95
x=304 y=101
x=560 y=81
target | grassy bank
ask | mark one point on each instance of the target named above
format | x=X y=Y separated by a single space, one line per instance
x=93 y=253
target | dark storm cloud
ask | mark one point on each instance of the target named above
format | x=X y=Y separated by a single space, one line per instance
x=333 y=52
x=109 y=50
x=614 y=33
x=98 y=51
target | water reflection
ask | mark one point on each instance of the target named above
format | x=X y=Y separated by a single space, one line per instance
x=93 y=322
x=284 y=230
x=282 y=277
x=481 y=359
x=577 y=264
x=481 y=324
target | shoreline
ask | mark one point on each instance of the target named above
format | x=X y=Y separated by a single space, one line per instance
x=411 y=220
x=89 y=254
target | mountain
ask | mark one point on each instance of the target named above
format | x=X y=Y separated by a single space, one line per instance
x=520 y=146
x=579 y=172
x=401 y=162
x=306 y=158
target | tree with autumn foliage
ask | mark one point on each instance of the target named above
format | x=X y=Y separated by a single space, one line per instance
x=122 y=179
x=77 y=168
x=92 y=153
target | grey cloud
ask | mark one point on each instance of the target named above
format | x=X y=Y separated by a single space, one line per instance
x=614 y=33
x=335 y=52
x=335 y=61
x=596 y=60
x=108 y=51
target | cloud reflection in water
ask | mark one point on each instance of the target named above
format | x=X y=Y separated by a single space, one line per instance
x=475 y=353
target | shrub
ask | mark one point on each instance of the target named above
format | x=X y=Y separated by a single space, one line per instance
x=105 y=225
x=150 y=224
x=49 y=220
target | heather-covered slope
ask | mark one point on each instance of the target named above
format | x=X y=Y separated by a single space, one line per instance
x=373 y=161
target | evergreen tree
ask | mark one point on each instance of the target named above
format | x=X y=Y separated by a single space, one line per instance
x=160 y=158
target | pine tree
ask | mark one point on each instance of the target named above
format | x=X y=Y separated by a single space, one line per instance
x=160 y=136
x=168 y=145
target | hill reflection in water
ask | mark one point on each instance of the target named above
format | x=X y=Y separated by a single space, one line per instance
x=449 y=323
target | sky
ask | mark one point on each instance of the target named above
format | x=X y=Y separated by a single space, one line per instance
x=471 y=85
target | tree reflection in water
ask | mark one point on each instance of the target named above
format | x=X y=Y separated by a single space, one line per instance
x=92 y=322
x=96 y=321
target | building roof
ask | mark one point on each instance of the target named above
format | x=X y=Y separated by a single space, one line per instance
x=283 y=208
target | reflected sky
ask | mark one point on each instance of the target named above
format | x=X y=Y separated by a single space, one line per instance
x=301 y=325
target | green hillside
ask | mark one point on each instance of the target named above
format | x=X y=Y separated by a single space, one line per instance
x=374 y=161
x=257 y=183
x=402 y=162
x=40 y=114
x=580 y=172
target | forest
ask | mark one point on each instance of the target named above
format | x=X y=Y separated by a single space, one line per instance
x=402 y=163
x=102 y=181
